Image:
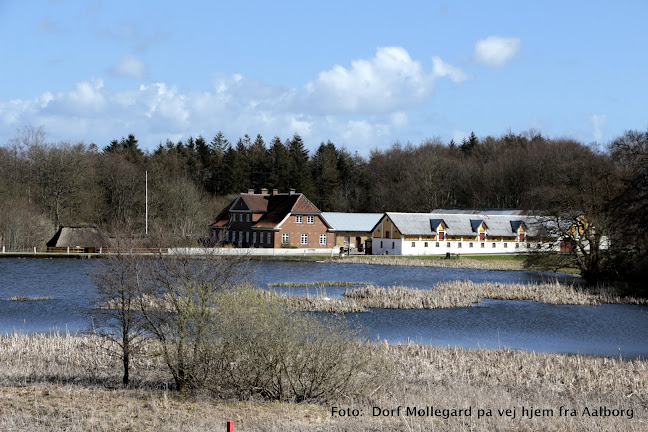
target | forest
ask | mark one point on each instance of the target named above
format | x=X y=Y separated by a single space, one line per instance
x=45 y=185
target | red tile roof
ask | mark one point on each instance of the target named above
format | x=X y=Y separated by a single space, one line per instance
x=275 y=208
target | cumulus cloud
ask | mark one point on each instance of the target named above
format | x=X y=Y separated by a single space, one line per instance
x=443 y=69
x=495 y=51
x=130 y=66
x=357 y=106
x=389 y=81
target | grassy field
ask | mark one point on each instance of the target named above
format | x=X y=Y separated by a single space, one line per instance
x=64 y=382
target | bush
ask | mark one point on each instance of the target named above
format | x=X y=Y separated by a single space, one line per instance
x=268 y=350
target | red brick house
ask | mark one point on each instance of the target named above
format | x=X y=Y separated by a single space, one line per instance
x=272 y=220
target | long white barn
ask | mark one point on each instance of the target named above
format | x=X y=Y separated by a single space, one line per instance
x=458 y=232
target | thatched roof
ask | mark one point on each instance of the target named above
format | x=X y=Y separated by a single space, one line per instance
x=78 y=236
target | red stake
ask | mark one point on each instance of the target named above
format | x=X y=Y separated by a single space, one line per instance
x=230 y=426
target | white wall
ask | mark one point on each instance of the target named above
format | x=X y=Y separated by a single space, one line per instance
x=404 y=247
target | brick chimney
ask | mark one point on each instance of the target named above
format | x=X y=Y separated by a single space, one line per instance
x=250 y=191
x=264 y=191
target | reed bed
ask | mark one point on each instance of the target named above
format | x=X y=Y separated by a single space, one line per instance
x=467 y=293
x=45 y=384
x=461 y=262
x=26 y=298
x=316 y=284
x=322 y=304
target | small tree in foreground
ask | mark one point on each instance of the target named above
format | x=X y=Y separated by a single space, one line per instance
x=116 y=314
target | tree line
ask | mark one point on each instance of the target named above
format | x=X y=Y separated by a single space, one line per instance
x=45 y=185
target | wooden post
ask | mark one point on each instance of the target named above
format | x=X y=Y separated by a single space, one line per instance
x=230 y=426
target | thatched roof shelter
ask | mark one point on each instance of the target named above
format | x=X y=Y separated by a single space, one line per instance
x=78 y=236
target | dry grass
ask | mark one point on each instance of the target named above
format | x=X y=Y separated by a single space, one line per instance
x=467 y=293
x=321 y=284
x=46 y=383
x=26 y=298
x=431 y=262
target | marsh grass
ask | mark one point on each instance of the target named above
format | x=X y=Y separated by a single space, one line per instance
x=461 y=262
x=62 y=382
x=316 y=284
x=467 y=293
x=26 y=298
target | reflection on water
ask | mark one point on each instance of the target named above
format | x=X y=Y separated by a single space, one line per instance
x=611 y=330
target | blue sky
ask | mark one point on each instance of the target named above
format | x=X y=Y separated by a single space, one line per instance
x=363 y=74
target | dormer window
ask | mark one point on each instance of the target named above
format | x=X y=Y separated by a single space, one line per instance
x=441 y=235
x=521 y=237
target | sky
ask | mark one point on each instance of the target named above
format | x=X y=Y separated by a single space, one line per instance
x=362 y=74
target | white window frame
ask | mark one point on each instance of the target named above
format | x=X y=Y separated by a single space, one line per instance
x=285 y=238
x=310 y=220
x=299 y=219
x=304 y=239
x=323 y=240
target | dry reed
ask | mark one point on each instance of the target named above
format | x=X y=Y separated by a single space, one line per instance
x=26 y=298
x=46 y=384
x=432 y=262
x=466 y=293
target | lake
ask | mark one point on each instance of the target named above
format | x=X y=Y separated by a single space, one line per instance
x=612 y=330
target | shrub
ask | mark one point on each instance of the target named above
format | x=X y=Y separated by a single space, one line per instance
x=268 y=350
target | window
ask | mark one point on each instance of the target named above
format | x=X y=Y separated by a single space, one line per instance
x=441 y=235
x=505 y=245
x=393 y=244
x=298 y=219
x=425 y=244
x=322 y=239
x=285 y=238
x=459 y=245
x=437 y=244
x=413 y=244
x=226 y=235
x=448 y=244
x=247 y=236
x=304 y=239
x=240 y=236
x=381 y=244
x=310 y=219
x=240 y=218
x=470 y=244
x=248 y=217
x=517 y=245
x=483 y=245
x=254 y=237
x=494 y=244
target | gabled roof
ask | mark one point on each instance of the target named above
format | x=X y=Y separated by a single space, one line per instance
x=275 y=208
x=352 y=221
x=463 y=224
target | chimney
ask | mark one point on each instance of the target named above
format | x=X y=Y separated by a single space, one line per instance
x=250 y=191
x=292 y=191
x=264 y=191
x=275 y=191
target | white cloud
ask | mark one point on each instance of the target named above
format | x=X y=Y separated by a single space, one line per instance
x=598 y=122
x=495 y=51
x=130 y=66
x=389 y=81
x=358 y=107
x=442 y=69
